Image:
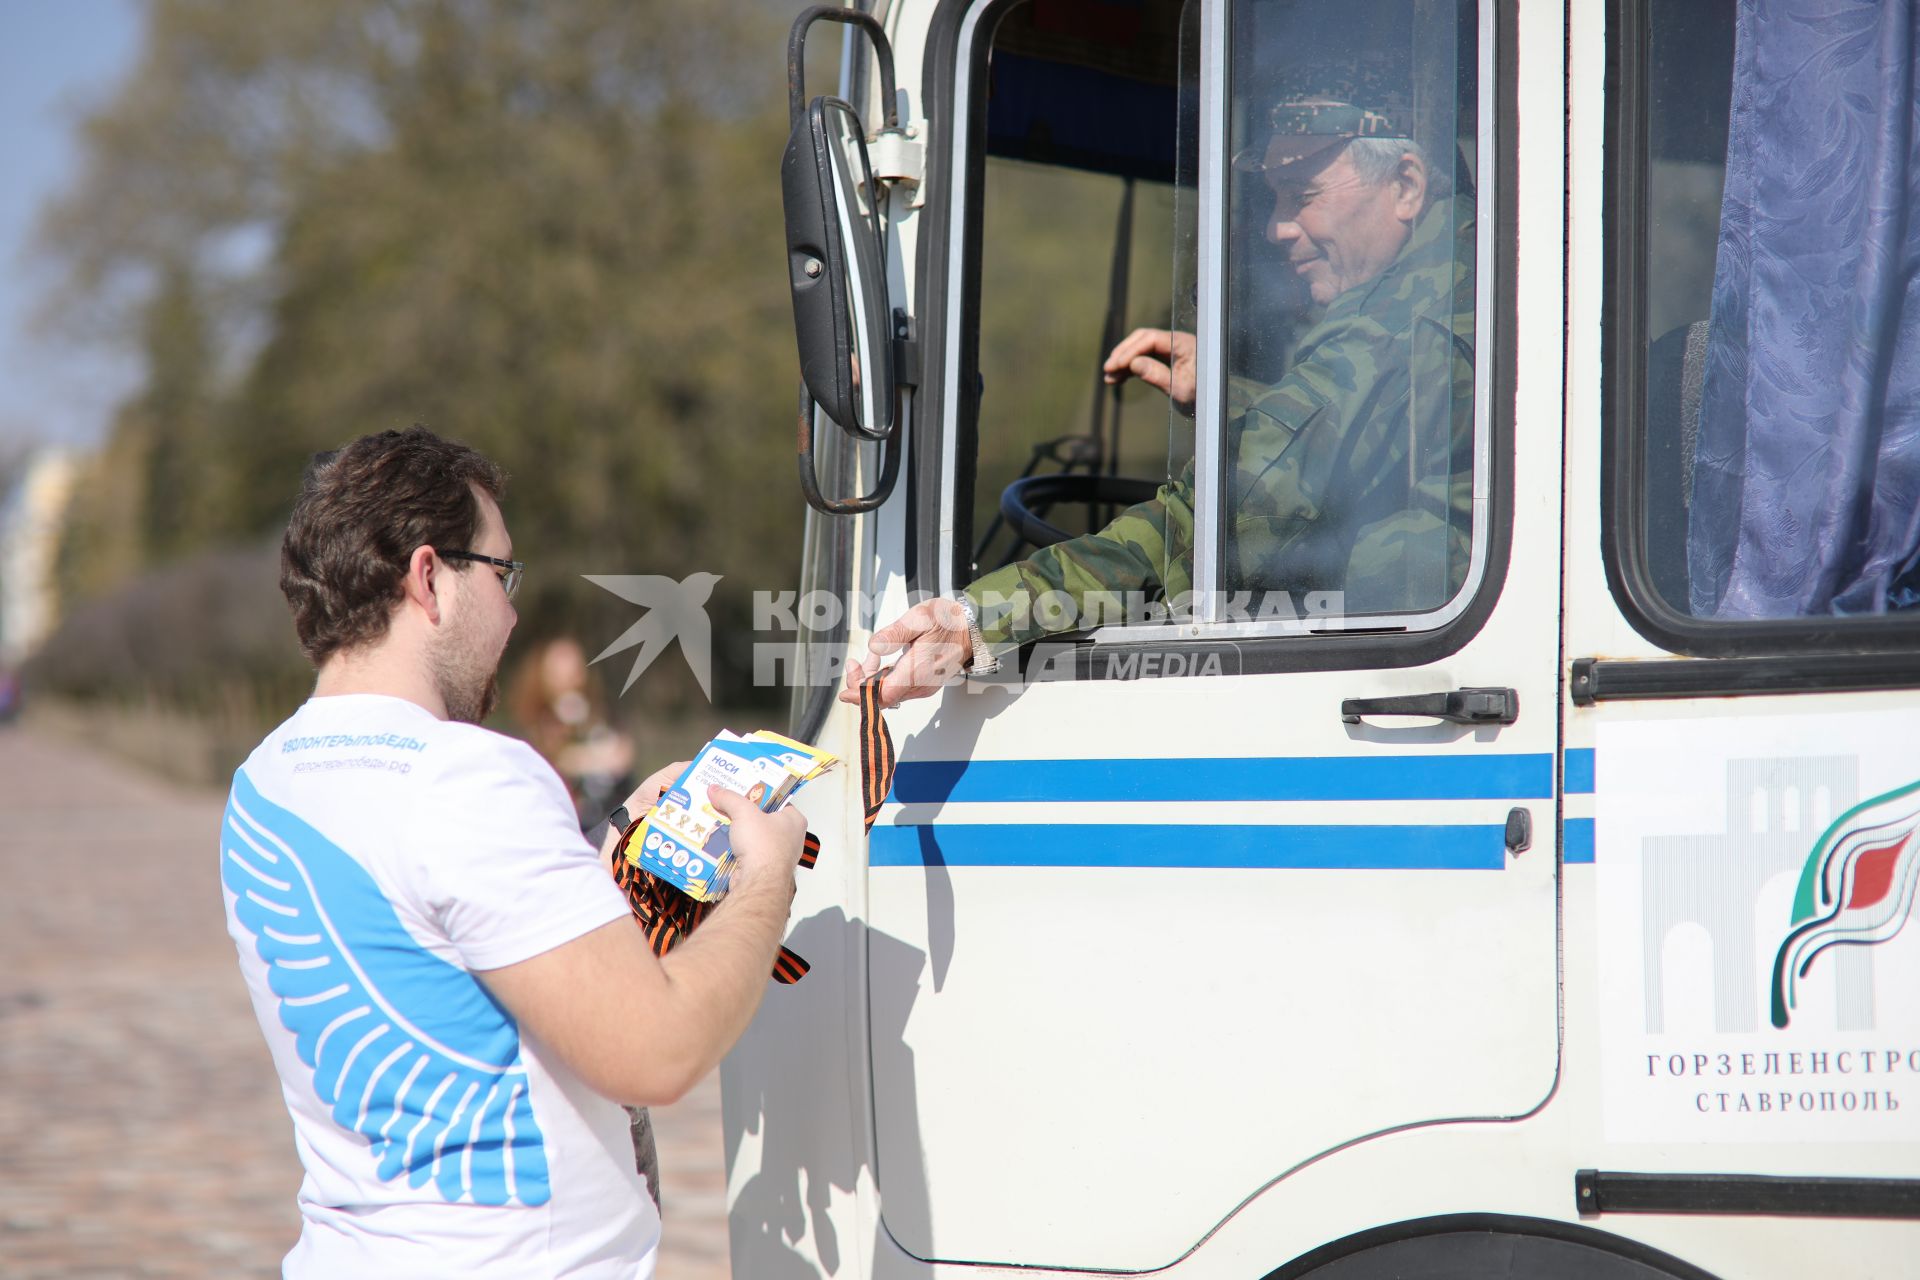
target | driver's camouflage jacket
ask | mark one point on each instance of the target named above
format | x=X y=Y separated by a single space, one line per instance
x=1353 y=474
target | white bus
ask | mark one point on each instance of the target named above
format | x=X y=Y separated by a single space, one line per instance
x=1538 y=914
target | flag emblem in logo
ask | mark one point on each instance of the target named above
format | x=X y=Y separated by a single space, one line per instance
x=1857 y=888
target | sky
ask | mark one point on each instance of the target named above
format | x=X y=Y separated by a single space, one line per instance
x=56 y=57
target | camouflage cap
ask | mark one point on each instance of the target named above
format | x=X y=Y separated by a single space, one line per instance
x=1301 y=129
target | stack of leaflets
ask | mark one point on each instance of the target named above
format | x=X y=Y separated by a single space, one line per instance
x=685 y=841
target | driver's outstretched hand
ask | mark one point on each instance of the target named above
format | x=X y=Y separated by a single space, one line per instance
x=934 y=645
x=1160 y=358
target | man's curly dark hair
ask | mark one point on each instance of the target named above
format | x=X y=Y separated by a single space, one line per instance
x=362 y=511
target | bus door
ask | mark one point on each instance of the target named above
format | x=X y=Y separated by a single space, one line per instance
x=1204 y=890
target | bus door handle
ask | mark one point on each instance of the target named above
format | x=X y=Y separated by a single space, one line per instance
x=1461 y=706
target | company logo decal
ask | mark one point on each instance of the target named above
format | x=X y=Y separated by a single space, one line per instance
x=1857 y=888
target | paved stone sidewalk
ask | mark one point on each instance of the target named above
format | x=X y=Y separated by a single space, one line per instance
x=141 y=1128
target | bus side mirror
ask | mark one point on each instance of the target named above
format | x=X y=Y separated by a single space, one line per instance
x=836 y=267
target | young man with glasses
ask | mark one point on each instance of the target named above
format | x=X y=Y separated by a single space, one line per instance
x=450 y=984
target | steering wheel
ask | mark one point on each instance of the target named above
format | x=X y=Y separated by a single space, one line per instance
x=1021 y=501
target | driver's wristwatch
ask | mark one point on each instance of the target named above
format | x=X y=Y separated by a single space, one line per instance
x=983 y=662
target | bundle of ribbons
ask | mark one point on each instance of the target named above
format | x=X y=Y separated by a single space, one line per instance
x=668 y=915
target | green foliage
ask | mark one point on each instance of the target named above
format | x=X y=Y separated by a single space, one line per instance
x=549 y=230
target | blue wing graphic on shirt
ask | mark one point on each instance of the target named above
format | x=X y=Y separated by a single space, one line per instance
x=408 y=1051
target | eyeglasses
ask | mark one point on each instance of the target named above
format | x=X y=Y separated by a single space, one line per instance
x=509 y=570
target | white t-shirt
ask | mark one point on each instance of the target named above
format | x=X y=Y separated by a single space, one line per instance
x=374 y=858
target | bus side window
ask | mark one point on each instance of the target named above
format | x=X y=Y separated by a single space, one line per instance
x=1777 y=441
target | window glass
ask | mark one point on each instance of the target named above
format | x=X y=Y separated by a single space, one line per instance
x=1689 y=83
x=1048 y=272
x=1349 y=449
x=1084 y=178
x=1779 y=444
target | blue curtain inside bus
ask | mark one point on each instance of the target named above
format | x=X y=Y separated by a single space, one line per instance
x=1806 y=482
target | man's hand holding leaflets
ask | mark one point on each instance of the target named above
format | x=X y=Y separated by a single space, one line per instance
x=686 y=839
x=742 y=839
x=718 y=825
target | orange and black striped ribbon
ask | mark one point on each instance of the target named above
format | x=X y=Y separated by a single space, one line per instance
x=876 y=751
x=667 y=915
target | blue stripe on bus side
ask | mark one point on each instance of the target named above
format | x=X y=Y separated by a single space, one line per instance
x=1577 y=844
x=1448 y=848
x=1579 y=775
x=1462 y=777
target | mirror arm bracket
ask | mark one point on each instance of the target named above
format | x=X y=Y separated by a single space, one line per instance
x=898 y=157
x=906 y=349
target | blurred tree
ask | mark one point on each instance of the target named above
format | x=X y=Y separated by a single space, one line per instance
x=551 y=230
x=173 y=412
x=100 y=543
x=155 y=490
